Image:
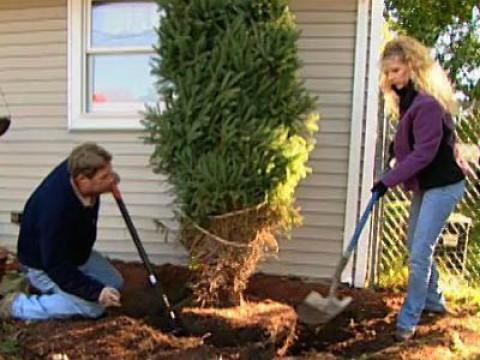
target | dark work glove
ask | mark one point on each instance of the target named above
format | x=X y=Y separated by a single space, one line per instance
x=380 y=188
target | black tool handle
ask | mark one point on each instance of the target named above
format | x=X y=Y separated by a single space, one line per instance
x=4 y=124
x=143 y=255
x=6 y=119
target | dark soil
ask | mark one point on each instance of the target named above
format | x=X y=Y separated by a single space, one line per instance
x=262 y=329
x=268 y=323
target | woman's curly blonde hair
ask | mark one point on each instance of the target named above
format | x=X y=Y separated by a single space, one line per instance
x=426 y=74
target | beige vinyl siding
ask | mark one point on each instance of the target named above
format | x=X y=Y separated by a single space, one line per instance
x=33 y=74
x=327 y=50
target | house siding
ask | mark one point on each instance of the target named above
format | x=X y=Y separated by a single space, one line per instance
x=34 y=77
x=327 y=48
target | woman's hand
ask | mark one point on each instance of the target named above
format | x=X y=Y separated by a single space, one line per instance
x=380 y=188
x=465 y=166
x=462 y=163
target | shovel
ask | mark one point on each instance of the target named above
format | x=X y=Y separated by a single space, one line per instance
x=4 y=124
x=172 y=321
x=318 y=310
x=5 y=120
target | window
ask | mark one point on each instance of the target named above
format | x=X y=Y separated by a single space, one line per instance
x=110 y=50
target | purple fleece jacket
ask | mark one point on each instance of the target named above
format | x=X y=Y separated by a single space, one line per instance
x=426 y=118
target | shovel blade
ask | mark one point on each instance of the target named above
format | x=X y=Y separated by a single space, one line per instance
x=318 y=310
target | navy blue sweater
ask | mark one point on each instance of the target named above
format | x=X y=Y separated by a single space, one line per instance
x=57 y=234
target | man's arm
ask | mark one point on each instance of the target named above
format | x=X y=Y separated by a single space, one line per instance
x=54 y=244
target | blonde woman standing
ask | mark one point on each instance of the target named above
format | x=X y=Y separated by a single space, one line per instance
x=417 y=93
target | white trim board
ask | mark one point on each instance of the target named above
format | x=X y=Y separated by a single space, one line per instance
x=354 y=157
x=371 y=135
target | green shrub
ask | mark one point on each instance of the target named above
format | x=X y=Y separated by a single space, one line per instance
x=237 y=125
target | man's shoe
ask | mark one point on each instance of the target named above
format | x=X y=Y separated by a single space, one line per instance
x=6 y=305
x=403 y=334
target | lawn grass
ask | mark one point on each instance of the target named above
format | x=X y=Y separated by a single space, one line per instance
x=460 y=293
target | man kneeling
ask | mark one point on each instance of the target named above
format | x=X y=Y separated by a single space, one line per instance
x=57 y=234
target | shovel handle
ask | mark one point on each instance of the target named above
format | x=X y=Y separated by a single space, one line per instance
x=117 y=195
x=143 y=254
x=353 y=242
x=361 y=223
x=4 y=124
x=6 y=119
x=133 y=231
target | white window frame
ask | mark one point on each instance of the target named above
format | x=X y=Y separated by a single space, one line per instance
x=78 y=37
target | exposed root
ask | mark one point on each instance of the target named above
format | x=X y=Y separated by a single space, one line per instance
x=226 y=253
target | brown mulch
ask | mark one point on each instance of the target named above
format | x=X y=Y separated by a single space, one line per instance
x=269 y=324
x=258 y=331
x=106 y=338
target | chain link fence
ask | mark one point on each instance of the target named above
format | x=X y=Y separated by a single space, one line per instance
x=458 y=249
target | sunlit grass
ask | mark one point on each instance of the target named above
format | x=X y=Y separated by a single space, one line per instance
x=460 y=293
x=394 y=278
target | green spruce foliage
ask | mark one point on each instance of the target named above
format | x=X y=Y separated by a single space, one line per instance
x=236 y=126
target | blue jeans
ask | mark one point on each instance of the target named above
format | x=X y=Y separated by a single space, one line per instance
x=428 y=214
x=55 y=303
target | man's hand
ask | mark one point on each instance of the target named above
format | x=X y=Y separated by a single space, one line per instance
x=109 y=297
x=115 y=180
x=116 y=177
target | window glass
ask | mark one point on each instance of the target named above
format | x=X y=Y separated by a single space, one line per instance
x=119 y=83
x=123 y=23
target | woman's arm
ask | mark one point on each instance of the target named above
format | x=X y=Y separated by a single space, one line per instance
x=428 y=131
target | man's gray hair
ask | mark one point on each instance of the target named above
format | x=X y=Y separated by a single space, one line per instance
x=87 y=158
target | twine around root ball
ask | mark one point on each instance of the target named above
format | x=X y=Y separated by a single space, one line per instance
x=227 y=254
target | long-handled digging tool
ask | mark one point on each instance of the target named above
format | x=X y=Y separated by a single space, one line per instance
x=172 y=321
x=5 y=120
x=4 y=124
x=318 y=310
